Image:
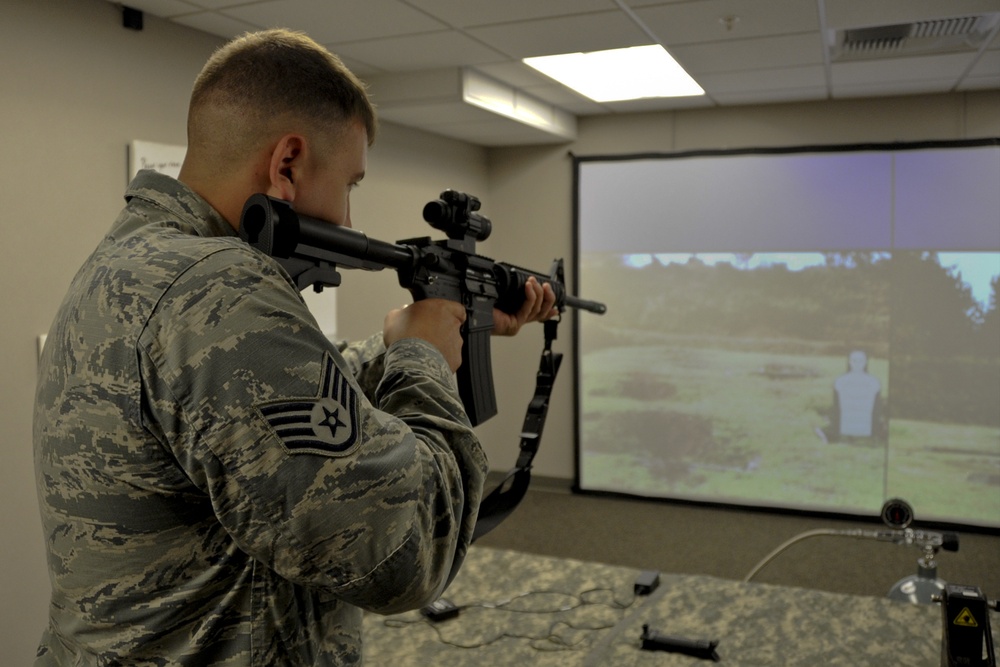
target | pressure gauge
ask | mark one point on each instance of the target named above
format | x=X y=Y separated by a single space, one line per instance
x=897 y=513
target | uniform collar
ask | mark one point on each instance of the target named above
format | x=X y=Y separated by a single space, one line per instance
x=180 y=200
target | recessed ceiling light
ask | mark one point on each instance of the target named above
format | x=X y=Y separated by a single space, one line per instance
x=619 y=74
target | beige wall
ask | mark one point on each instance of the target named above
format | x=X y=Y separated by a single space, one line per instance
x=77 y=87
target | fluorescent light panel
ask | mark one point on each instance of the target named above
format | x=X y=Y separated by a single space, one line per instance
x=619 y=74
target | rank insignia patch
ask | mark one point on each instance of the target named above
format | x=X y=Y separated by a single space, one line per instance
x=326 y=425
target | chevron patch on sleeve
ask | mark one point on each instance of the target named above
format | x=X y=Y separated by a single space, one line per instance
x=326 y=424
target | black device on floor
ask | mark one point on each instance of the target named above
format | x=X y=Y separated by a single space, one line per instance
x=967 y=640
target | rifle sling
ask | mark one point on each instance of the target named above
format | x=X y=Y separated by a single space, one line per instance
x=502 y=501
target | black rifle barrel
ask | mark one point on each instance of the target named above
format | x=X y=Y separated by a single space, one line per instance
x=272 y=226
x=585 y=304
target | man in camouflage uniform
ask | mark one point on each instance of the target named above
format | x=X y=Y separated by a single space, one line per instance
x=219 y=484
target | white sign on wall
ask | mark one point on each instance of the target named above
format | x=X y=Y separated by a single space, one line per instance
x=164 y=158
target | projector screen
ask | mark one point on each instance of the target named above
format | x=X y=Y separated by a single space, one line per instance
x=813 y=328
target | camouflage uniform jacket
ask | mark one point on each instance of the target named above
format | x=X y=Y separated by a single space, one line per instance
x=221 y=485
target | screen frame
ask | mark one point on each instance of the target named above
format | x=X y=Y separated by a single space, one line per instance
x=579 y=160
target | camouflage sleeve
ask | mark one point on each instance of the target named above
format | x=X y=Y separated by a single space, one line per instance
x=366 y=359
x=374 y=503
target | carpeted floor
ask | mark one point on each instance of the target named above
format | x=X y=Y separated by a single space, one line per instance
x=728 y=543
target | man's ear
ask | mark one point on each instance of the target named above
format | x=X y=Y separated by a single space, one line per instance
x=286 y=165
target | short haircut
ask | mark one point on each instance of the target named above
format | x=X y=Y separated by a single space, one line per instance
x=271 y=81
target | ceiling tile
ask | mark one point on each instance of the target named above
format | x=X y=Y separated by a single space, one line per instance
x=906 y=71
x=416 y=52
x=987 y=65
x=750 y=54
x=468 y=13
x=218 y=4
x=331 y=22
x=164 y=8
x=587 y=32
x=720 y=20
x=855 y=14
x=764 y=80
x=802 y=94
x=770 y=51
x=216 y=24
x=407 y=88
x=660 y=104
x=980 y=83
x=889 y=88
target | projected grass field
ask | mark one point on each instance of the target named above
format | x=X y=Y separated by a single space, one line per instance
x=714 y=381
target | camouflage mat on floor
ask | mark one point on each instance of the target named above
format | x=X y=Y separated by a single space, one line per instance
x=520 y=609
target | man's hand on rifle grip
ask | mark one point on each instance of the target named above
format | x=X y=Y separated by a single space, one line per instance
x=538 y=306
x=437 y=321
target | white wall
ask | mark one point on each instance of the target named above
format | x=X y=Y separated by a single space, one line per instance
x=77 y=87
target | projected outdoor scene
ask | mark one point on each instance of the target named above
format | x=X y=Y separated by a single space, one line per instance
x=764 y=379
x=944 y=447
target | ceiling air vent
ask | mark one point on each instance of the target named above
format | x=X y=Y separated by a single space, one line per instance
x=960 y=33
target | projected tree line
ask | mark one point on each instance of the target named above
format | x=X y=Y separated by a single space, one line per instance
x=943 y=345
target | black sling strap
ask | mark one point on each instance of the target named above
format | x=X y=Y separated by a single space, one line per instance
x=500 y=502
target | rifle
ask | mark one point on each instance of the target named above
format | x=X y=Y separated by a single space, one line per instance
x=311 y=251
